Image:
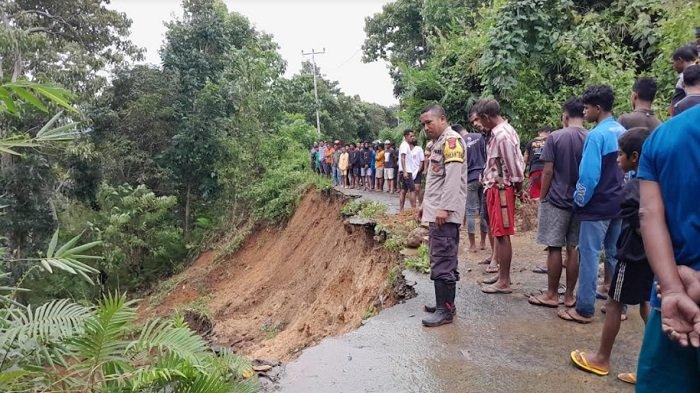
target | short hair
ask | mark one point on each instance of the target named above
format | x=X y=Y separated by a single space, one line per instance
x=645 y=88
x=457 y=127
x=486 y=107
x=546 y=129
x=407 y=131
x=691 y=75
x=685 y=53
x=573 y=107
x=633 y=139
x=435 y=108
x=600 y=95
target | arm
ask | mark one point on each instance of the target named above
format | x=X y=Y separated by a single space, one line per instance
x=680 y=316
x=403 y=164
x=547 y=175
x=589 y=170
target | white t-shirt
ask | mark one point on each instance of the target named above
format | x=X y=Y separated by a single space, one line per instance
x=418 y=158
x=405 y=148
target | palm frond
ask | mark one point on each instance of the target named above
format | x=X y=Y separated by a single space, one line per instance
x=171 y=338
x=50 y=322
x=207 y=384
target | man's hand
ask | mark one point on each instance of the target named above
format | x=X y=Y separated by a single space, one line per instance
x=441 y=216
x=691 y=282
x=525 y=197
x=680 y=318
x=405 y=174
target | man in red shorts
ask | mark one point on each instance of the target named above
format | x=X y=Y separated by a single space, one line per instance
x=533 y=162
x=502 y=178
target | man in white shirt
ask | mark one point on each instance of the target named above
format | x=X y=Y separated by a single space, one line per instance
x=418 y=157
x=407 y=171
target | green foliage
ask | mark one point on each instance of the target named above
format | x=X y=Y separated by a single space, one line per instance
x=420 y=262
x=63 y=346
x=530 y=54
x=364 y=209
x=140 y=239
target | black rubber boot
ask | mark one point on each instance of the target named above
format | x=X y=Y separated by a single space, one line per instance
x=451 y=288
x=444 y=305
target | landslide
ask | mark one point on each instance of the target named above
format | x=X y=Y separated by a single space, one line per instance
x=288 y=288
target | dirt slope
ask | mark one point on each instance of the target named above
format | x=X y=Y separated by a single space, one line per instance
x=288 y=288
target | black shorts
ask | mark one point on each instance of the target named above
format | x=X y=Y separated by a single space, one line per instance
x=356 y=170
x=632 y=282
x=419 y=178
x=407 y=183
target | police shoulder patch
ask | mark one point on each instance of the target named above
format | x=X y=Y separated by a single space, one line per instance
x=453 y=151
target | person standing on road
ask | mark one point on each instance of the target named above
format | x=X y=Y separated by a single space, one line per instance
x=328 y=160
x=379 y=167
x=354 y=166
x=372 y=165
x=343 y=165
x=443 y=209
x=313 y=154
x=407 y=172
x=320 y=158
x=418 y=157
x=643 y=93
x=691 y=84
x=557 y=226
x=597 y=199
x=533 y=163
x=503 y=180
x=682 y=58
x=476 y=161
x=389 y=167
x=336 y=161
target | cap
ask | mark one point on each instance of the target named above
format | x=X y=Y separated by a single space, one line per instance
x=336 y=142
x=386 y=142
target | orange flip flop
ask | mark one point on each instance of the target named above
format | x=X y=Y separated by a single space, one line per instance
x=579 y=360
x=630 y=378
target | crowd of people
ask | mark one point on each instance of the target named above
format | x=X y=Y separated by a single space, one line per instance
x=374 y=166
x=623 y=192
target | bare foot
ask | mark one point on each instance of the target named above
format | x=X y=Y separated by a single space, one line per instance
x=472 y=248
x=569 y=301
x=596 y=361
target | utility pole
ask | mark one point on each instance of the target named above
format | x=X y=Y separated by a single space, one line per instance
x=313 y=54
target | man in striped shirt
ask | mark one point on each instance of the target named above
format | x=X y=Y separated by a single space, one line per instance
x=502 y=179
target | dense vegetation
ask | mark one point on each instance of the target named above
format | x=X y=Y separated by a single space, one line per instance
x=529 y=54
x=114 y=174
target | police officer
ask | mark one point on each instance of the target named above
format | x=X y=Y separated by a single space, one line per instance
x=443 y=209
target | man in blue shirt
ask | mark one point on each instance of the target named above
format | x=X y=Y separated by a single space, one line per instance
x=597 y=198
x=670 y=226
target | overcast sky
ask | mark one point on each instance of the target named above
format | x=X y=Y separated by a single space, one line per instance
x=336 y=25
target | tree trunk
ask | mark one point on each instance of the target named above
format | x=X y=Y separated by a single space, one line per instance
x=186 y=230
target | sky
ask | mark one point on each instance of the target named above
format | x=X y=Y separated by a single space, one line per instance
x=297 y=25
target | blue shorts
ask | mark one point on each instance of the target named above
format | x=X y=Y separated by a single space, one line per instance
x=665 y=366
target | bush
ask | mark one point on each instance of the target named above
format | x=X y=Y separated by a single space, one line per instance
x=421 y=262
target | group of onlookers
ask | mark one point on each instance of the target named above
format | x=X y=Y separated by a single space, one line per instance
x=376 y=166
x=625 y=190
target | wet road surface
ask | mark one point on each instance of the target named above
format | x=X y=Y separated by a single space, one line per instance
x=498 y=343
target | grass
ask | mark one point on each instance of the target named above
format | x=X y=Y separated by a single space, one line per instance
x=164 y=288
x=364 y=209
x=271 y=329
x=370 y=312
x=421 y=262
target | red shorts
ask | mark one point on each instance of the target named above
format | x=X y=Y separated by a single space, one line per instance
x=493 y=205
x=535 y=184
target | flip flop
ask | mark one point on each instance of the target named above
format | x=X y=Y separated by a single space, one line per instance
x=486 y=261
x=630 y=378
x=491 y=270
x=579 y=360
x=537 y=301
x=492 y=289
x=540 y=270
x=565 y=315
x=601 y=296
x=490 y=280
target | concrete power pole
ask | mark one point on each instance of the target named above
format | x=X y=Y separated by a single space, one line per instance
x=313 y=54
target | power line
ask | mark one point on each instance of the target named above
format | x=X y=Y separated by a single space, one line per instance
x=313 y=54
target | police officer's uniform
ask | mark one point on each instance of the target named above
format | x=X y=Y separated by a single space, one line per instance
x=445 y=189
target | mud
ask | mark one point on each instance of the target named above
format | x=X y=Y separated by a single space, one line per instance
x=498 y=343
x=288 y=288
